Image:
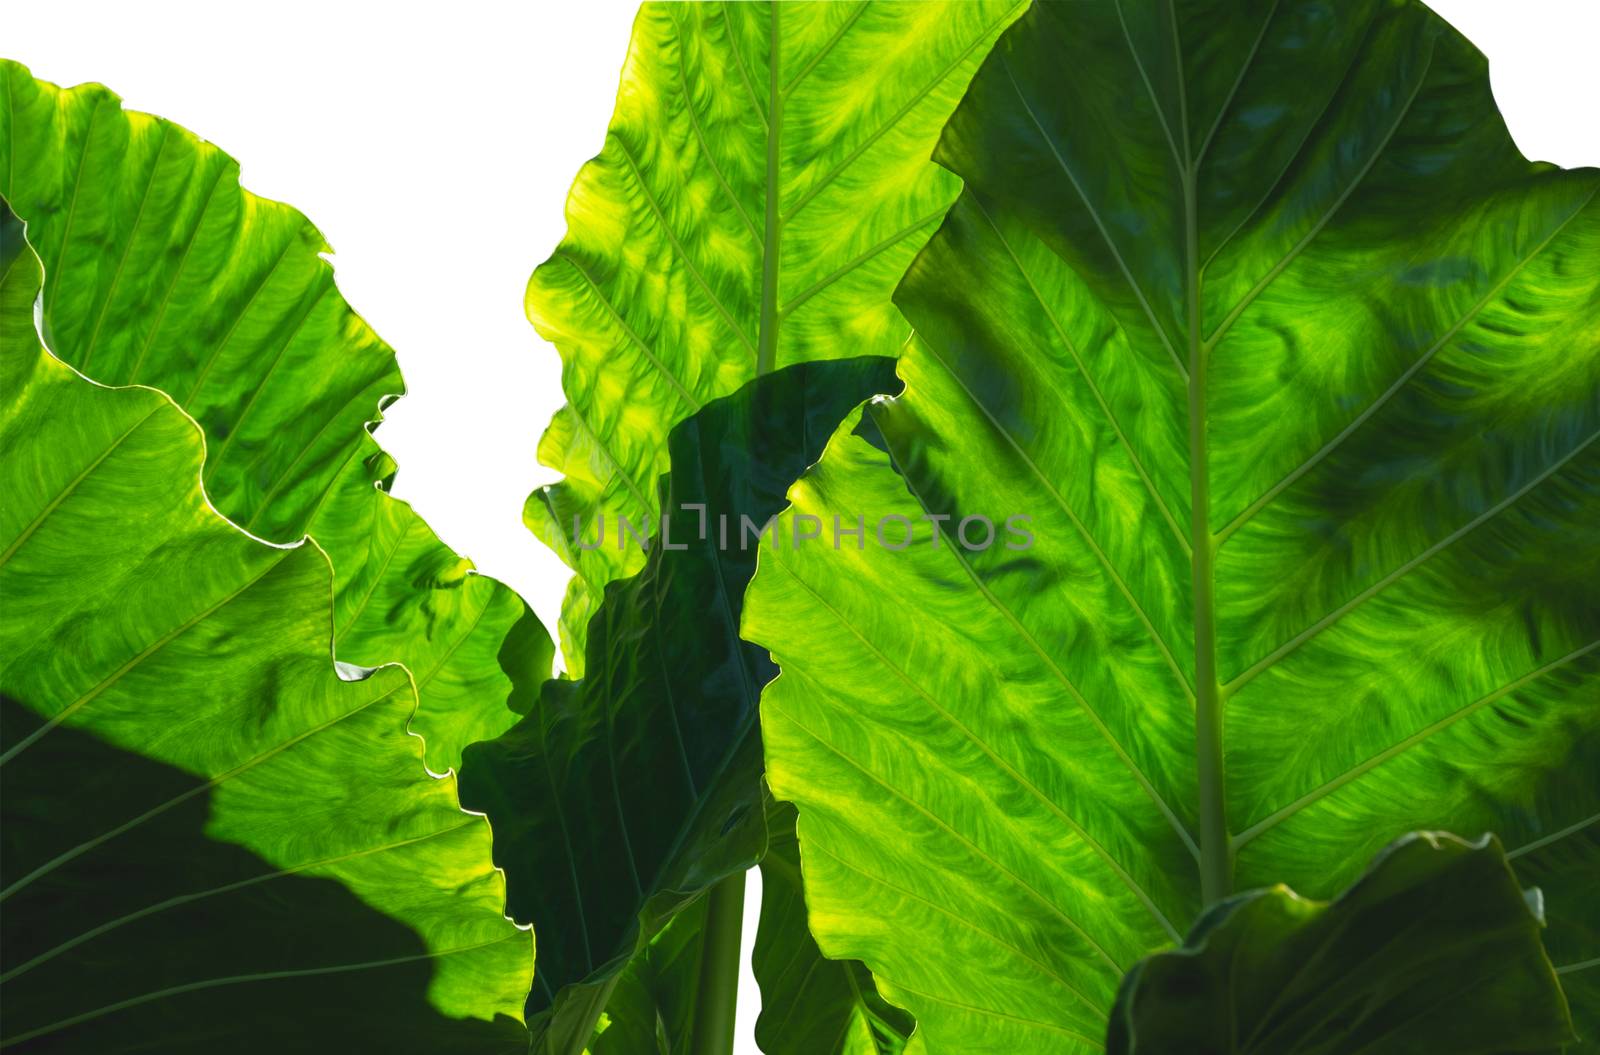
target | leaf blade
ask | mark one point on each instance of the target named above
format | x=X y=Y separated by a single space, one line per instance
x=162 y=270
x=184 y=767
x=1321 y=242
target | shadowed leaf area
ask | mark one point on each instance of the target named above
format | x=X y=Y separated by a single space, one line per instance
x=651 y=1008
x=624 y=795
x=186 y=933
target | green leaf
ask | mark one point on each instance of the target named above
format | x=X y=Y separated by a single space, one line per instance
x=763 y=185
x=213 y=839
x=1433 y=949
x=624 y=795
x=161 y=270
x=1291 y=359
x=810 y=1005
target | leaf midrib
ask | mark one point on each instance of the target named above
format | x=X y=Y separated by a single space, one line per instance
x=1212 y=763
x=1216 y=848
x=766 y=349
x=772 y=315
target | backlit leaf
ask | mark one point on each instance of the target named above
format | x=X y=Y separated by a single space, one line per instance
x=1294 y=363
x=161 y=270
x=811 y=1005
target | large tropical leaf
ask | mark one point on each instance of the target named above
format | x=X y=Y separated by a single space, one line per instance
x=1292 y=360
x=213 y=839
x=625 y=795
x=161 y=270
x=764 y=183
x=811 y=1005
x=1436 y=948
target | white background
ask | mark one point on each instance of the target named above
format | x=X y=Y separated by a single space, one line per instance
x=434 y=143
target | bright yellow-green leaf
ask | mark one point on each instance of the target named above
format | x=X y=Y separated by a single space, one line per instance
x=763 y=185
x=161 y=270
x=1294 y=363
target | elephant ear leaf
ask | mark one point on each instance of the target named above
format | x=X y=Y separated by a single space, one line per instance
x=1435 y=948
x=625 y=795
x=207 y=821
x=763 y=184
x=160 y=269
x=1289 y=359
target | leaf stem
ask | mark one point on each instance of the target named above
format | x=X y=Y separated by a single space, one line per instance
x=718 y=995
x=1216 y=848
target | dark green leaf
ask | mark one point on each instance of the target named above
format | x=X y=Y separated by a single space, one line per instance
x=624 y=795
x=650 y=1010
x=1434 y=949
x=1565 y=865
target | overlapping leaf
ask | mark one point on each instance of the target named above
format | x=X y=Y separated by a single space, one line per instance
x=624 y=795
x=1564 y=865
x=1292 y=360
x=161 y=270
x=764 y=182
x=213 y=841
x=1436 y=948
